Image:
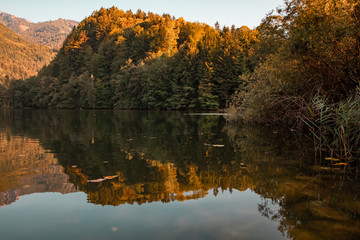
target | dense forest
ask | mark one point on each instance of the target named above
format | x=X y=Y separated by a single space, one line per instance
x=117 y=59
x=49 y=33
x=302 y=57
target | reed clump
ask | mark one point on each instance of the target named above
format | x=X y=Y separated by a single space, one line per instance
x=335 y=127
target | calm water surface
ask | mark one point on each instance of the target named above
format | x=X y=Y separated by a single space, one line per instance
x=165 y=175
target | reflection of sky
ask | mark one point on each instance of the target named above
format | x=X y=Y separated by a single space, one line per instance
x=57 y=216
x=227 y=12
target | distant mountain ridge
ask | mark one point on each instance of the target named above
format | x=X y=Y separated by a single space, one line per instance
x=19 y=58
x=49 y=33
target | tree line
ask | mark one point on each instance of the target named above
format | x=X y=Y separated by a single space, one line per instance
x=125 y=60
x=114 y=59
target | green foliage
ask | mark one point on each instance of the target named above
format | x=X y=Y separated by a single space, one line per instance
x=306 y=48
x=117 y=59
x=309 y=48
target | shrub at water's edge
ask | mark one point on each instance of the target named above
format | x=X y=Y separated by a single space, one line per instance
x=308 y=48
x=308 y=51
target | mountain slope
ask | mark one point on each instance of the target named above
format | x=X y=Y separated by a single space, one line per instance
x=49 y=33
x=117 y=59
x=19 y=58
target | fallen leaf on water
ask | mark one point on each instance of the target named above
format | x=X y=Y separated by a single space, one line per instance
x=110 y=177
x=325 y=168
x=214 y=145
x=339 y=164
x=218 y=145
x=317 y=203
x=332 y=159
x=97 y=180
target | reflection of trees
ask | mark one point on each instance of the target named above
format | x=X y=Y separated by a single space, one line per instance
x=170 y=156
x=27 y=168
x=159 y=156
x=167 y=183
x=309 y=202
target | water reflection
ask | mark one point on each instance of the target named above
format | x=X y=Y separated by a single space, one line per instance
x=27 y=168
x=130 y=157
x=316 y=201
x=149 y=156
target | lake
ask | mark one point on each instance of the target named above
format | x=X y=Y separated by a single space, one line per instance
x=67 y=174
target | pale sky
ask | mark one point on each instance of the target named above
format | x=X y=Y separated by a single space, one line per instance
x=226 y=12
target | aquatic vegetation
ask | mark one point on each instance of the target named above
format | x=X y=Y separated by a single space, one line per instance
x=335 y=128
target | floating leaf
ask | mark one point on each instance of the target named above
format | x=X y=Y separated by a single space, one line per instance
x=214 y=145
x=103 y=179
x=110 y=177
x=340 y=164
x=97 y=180
x=218 y=145
x=332 y=159
x=325 y=168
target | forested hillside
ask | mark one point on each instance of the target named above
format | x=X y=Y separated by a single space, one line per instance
x=117 y=59
x=303 y=53
x=20 y=59
x=49 y=33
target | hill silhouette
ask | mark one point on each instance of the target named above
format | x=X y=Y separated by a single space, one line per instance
x=49 y=33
